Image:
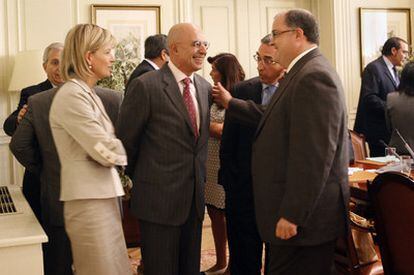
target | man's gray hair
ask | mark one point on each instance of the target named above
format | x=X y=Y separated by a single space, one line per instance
x=267 y=39
x=53 y=46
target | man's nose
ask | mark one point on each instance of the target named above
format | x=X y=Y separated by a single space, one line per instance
x=202 y=48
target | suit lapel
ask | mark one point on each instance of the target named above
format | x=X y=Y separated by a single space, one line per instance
x=46 y=85
x=202 y=102
x=173 y=92
x=257 y=97
x=284 y=84
x=95 y=99
x=387 y=72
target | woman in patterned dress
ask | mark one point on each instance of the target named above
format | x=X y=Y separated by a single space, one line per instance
x=225 y=69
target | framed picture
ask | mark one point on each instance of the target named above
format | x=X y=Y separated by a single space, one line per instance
x=377 y=25
x=130 y=25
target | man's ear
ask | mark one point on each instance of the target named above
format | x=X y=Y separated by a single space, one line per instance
x=164 y=55
x=299 y=33
x=44 y=66
x=173 y=48
x=394 y=51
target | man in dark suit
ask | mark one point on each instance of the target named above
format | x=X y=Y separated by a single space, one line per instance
x=300 y=152
x=156 y=55
x=379 y=78
x=245 y=244
x=32 y=144
x=164 y=126
x=51 y=61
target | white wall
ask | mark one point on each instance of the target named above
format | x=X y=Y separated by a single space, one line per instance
x=237 y=26
x=346 y=39
x=230 y=25
x=33 y=24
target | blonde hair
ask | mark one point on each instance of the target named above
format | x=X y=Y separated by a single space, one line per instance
x=81 y=39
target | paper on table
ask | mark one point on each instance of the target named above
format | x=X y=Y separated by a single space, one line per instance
x=385 y=159
x=352 y=170
x=391 y=167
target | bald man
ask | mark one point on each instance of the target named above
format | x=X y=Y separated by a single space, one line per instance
x=166 y=143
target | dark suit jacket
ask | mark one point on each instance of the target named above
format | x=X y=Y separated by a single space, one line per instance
x=300 y=154
x=236 y=146
x=377 y=82
x=10 y=123
x=400 y=116
x=32 y=144
x=165 y=161
x=141 y=69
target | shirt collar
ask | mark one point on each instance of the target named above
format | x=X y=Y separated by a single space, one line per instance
x=82 y=84
x=155 y=66
x=179 y=75
x=388 y=62
x=264 y=86
x=297 y=58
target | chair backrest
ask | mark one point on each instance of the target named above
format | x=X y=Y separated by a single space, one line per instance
x=392 y=197
x=359 y=146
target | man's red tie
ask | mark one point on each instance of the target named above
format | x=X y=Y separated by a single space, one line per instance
x=189 y=104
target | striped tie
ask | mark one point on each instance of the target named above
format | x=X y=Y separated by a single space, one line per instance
x=189 y=104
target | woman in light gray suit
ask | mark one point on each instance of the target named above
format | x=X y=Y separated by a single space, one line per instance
x=88 y=151
x=400 y=110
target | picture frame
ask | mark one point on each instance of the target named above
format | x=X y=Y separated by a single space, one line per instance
x=130 y=25
x=377 y=25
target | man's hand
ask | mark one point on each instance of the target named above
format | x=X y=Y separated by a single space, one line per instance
x=285 y=229
x=221 y=96
x=21 y=113
x=216 y=130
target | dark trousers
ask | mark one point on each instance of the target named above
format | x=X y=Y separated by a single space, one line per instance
x=172 y=250
x=298 y=260
x=245 y=244
x=31 y=191
x=376 y=149
x=57 y=251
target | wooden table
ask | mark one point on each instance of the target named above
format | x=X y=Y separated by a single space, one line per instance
x=359 y=179
x=369 y=164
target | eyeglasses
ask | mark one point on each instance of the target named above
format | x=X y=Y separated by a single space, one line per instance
x=275 y=33
x=198 y=44
x=407 y=54
x=266 y=60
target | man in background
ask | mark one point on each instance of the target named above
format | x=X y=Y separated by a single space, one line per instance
x=245 y=244
x=32 y=144
x=156 y=54
x=300 y=152
x=51 y=61
x=379 y=78
x=164 y=126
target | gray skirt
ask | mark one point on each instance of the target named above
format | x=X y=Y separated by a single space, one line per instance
x=95 y=231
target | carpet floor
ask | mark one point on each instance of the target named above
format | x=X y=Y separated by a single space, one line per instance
x=208 y=259
x=208 y=254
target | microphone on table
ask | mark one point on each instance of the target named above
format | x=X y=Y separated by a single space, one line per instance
x=386 y=146
x=405 y=144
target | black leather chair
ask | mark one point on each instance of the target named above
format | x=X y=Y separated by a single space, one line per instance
x=392 y=198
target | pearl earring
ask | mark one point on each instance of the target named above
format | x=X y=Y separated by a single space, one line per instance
x=90 y=66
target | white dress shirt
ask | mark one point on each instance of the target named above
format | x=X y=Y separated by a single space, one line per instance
x=179 y=77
